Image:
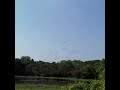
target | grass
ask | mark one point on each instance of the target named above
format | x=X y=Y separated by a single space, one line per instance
x=52 y=85
x=37 y=87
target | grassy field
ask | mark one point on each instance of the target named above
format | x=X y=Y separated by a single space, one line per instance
x=43 y=83
x=53 y=83
x=37 y=87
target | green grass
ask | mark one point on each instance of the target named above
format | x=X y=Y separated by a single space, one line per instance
x=37 y=87
x=83 y=84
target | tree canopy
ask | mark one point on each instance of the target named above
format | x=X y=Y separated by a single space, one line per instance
x=93 y=69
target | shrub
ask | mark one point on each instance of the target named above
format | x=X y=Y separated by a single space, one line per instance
x=87 y=85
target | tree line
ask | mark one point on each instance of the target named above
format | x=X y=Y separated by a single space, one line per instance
x=93 y=69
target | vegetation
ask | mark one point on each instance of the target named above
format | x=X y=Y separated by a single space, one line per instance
x=25 y=66
x=89 y=84
x=89 y=75
x=36 y=87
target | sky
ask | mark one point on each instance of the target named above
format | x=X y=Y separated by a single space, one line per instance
x=55 y=30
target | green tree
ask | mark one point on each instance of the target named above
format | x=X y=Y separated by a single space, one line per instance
x=88 y=72
x=19 y=68
x=25 y=60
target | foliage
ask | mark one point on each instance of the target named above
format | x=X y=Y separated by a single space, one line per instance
x=94 y=69
x=87 y=85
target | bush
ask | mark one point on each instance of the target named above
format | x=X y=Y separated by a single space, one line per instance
x=87 y=85
x=97 y=85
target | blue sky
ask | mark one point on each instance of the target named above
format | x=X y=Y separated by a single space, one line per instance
x=54 y=30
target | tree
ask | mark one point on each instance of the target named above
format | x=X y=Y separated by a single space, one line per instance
x=89 y=72
x=65 y=68
x=19 y=68
x=25 y=60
